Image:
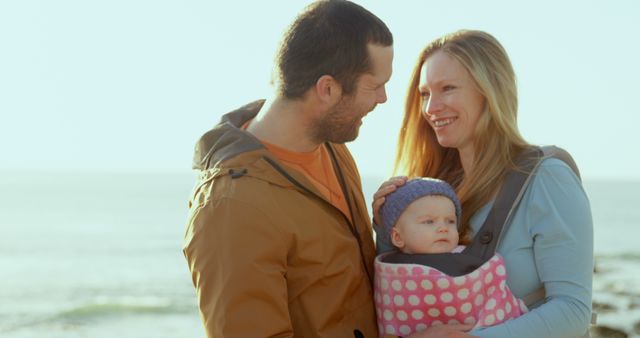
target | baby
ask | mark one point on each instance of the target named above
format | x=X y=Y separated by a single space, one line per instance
x=423 y=217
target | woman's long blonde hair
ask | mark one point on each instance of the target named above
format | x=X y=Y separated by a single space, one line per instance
x=497 y=140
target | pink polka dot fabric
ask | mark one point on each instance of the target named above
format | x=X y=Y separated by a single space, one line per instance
x=411 y=297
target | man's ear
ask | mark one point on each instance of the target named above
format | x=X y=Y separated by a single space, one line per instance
x=396 y=239
x=328 y=89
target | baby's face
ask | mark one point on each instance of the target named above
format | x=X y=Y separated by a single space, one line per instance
x=428 y=225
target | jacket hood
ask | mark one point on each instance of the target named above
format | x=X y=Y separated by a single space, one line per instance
x=227 y=139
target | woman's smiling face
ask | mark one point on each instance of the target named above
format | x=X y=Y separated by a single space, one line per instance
x=451 y=102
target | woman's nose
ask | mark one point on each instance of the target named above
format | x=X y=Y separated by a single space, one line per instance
x=430 y=106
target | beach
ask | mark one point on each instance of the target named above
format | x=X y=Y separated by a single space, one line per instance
x=100 y=255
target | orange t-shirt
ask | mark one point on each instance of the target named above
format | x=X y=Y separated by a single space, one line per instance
x=318 y=167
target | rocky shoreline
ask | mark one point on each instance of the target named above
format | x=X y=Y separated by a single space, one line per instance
x=616 y=297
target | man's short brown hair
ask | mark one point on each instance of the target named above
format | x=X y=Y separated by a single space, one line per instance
x=329 y=38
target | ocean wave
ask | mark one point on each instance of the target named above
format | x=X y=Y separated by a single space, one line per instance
x=101 y=310
x=125 y=306
x=628 y=256
x=104 y=309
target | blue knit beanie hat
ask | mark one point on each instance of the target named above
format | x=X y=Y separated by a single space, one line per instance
x=396 y=202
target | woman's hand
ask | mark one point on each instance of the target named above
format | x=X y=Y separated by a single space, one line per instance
x=385 y=189
x=444 y=331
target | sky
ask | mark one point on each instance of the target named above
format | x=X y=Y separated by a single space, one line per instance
x=129 y=86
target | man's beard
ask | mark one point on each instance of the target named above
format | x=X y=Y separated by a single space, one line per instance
x=337 y=126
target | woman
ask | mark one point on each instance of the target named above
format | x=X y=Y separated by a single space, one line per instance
x=460 y=126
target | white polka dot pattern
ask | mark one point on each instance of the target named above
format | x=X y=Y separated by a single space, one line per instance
x=443 y=283
x=411 y=298
x=429 y=299
x=450 y=311
x=417 y=314
x=463 y=293
x=405 y=330
x=446 y=297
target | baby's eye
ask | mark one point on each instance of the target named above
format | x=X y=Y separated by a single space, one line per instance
x=451 y=221
x=448 y=87
x=428 y=221
x=425 y=95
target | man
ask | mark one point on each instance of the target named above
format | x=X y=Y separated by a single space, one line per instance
x=278 y=240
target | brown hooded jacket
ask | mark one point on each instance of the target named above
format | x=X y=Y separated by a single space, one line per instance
x=268 y=254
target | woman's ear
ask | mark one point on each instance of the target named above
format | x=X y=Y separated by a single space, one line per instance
x=328 y=89
x=396 y=238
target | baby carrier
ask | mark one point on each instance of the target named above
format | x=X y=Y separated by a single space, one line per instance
x=400 y=311
x=413 y=297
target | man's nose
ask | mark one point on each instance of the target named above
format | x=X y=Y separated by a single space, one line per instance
x=381 y=95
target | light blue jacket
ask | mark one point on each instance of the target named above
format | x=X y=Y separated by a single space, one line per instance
x=549 y=241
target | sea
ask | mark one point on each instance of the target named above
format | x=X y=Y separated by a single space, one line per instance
x=100 y=255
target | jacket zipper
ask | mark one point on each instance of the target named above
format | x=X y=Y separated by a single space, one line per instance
x=351 y=226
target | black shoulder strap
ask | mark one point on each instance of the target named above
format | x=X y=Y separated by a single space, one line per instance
x=561 y=154
x=513 y=188
x=484 y=244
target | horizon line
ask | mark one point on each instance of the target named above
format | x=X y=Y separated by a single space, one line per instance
x=102 y=172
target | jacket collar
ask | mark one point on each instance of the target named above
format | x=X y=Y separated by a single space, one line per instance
x=227 y=139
